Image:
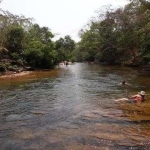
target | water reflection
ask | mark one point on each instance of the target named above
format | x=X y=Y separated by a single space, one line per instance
x=73 y=107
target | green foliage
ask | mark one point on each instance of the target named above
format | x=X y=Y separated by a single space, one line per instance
x=4 y=66
x=26 y=44
x=49 y=58
x=77 y=54
x=37 y=33
x=15 y=36
x=33 y=53
x=39 y=48
x=39 y=55
x=64 y=47
x=144 y=38
x=120 y=36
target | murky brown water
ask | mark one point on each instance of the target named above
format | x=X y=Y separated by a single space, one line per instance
x=73 y=108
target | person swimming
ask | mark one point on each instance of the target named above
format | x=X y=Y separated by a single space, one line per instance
x=123 y=82
x=140 y=97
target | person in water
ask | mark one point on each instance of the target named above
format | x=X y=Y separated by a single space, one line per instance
x=66 y=63
x=123 y=82
x=140 y=97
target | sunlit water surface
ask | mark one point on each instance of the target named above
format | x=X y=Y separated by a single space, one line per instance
x=74 y=108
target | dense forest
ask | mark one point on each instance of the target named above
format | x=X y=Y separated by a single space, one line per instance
x=117 y=37
x=25 y=45
x=120 y=36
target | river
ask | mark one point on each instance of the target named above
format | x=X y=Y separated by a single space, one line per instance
x=74 y=108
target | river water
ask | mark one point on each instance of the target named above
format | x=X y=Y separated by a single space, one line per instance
x=74 y=108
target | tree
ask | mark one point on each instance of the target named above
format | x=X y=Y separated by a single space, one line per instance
x=9 y=20
x=38 y=33
x=64 y=47
x=24 y=43
x=119 y=36
x=39 y=47
x=14 y=39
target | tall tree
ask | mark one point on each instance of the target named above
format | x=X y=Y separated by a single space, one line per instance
x=119 y=36
x=64 y=47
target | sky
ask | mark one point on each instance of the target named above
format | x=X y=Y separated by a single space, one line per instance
x=63 y=17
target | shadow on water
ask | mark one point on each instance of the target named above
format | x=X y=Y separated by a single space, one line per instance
x=73 y=107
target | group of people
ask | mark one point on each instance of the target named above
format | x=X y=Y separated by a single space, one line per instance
x=140 y=97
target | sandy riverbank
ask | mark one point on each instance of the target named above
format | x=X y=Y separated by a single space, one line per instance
x=12 y=74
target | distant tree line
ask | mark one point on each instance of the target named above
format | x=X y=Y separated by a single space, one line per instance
x=120 y=36
x=24 y=44
x=116 y=37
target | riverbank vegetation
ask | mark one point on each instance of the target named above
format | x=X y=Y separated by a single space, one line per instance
x=25 y=45
x=117 y=37
x=120 y=36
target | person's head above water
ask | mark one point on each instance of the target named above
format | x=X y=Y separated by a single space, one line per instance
x=123 y=82
x=142 y=93
x=139 y=97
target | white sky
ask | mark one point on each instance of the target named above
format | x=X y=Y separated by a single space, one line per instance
x=65 y=17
